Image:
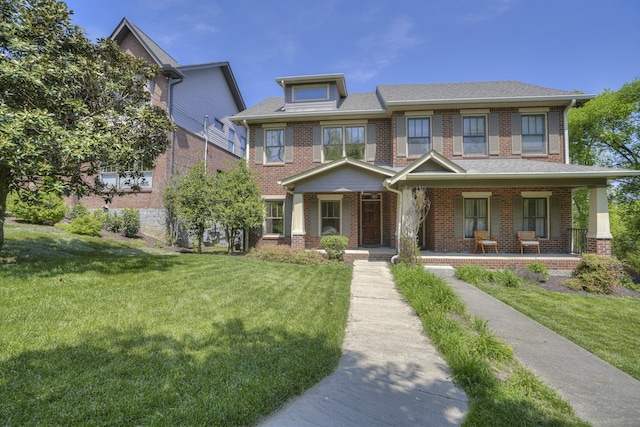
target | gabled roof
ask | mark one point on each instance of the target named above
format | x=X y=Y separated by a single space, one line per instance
x=159 y=55
x=338 y=79
x=225 y=67
x=333 y=165
x=430 y=163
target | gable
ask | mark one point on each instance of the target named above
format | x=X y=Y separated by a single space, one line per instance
x=341 y=179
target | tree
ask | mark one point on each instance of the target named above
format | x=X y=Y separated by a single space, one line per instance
x=414 y=214
x=195 y=199
x=69 y=106
x=237 y=205
x=606 y=132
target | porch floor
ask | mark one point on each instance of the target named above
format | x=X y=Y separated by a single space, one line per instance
x=490 y=260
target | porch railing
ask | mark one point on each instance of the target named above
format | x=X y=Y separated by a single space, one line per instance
x=578 y=240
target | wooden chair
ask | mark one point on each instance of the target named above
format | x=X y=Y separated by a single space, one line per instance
x=482 y=239
x=528 y=238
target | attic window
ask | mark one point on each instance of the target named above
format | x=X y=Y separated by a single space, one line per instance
x=310 y=93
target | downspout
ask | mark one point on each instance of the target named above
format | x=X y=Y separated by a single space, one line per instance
x=399 y=213
x=567 y=158
x=172 y=82
x=248 y=142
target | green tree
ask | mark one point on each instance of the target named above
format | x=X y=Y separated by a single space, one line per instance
x=195 y=199
x=68 y=106
x=237 y=205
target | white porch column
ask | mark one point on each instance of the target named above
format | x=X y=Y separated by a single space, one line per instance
x=598 y=214
x=297 y=215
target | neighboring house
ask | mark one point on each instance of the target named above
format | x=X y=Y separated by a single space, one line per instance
x=493 y=156
x=197 y=97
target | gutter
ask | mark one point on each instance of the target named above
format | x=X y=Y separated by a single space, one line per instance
x=567 y=158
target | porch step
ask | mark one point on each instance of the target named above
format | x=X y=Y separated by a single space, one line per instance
x=441 y=270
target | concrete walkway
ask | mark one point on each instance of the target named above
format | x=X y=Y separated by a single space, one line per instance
x=598 y=392
x=389 y=374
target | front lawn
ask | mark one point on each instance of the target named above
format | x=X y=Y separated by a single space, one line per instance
x=95 y=332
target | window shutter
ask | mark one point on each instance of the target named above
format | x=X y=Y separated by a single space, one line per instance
x=516 y=134
x=313 y=216
x=370 y=150
x=259 y=152
x=288 y=145
x=346 y=217
x=554 y=132
x=458 y=217
x=317 y=144
x=517 y=214
x=401 y=136
x=555 y=222
x=437 y=134
x=288 y=213
x=496 y=227
x=494 y=134
x=457 y=135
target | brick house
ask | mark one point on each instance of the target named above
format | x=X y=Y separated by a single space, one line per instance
x=493 y=156
x=198 y=98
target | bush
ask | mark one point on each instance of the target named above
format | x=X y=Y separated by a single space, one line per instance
x=76 y=210
x=87 y=225
x=46 y=208
x=599 y=274
x=279 y=253
x=538 y=268
x=474 y=274
x=335 y=246
x=130 y=222
x=506 y=278
x=112 y=222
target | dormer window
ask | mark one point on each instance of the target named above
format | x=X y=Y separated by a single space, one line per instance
x=311 y=93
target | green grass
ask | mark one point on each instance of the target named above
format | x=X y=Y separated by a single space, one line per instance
x=95 y=332
x=606 y=326
x=502 y=392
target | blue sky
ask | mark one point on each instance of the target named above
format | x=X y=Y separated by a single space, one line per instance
x=585 y=45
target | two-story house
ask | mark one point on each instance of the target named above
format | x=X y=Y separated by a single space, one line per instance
x=199 y=100
x=492 y=155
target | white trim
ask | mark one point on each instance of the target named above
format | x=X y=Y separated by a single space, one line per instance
x=535 y=194
x=418 y=113
x=474 y=111
x=476 y=194
x=264 y=223
x=344 y=123
x=324 y=197
x=529 y=110
x=274 y=125
x=329 y=198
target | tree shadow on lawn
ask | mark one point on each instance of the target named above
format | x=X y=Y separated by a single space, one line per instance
x=225 y=376
x=45 y=256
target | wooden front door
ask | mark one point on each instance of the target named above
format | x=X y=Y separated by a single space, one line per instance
x=371 y=222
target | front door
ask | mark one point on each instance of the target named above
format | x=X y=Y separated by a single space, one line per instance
x=371 y=222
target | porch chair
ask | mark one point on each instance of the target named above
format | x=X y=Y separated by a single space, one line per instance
x=482 y=239
x=528 y=238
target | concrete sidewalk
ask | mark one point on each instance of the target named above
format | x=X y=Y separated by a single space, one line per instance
x=389 y=374
x=598 y=392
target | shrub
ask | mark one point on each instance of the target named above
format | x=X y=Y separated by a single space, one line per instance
x=598 y=274
x=335 y=246
x=506 y=278
x=112 y=222
x=474 y=274
x=279 y=253
x=539 y=268
x=87 y=225
x=76 y=210
x=308 y=257
x=45 y=208
x=130 y=222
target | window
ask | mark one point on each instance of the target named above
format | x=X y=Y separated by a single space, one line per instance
x=533 y=134
x=310 y=93
x=274 y=147
x=330 y=217
x=232 y=137
x=418 y=139
x=218 y=124
x=474 y=136
x=534 y=212
x=243 y=145
x=347 y=141
x=134 y=175
x=476 y=216
x=274 y=217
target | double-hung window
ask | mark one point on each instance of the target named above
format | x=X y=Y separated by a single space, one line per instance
x=232 y=137
x=274 y=147
x=274 y=217
x=474 y=135
x=330 y=214
x=343 y=141
x=534 y=216
x=533 y=134
x=476 y=216
x=127 y=177
x=418 y=136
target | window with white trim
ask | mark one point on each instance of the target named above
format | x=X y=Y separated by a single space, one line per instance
x=418 y=136
x=330 y=217
x=218 y=124
x=474 y=135
x=232 y=137
x=343 y=141
x=274 y=146
x=534 y=215
x=533 y=134
x=476 y=216
x=274 y=217
x=136 y=174
x=310 y=93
